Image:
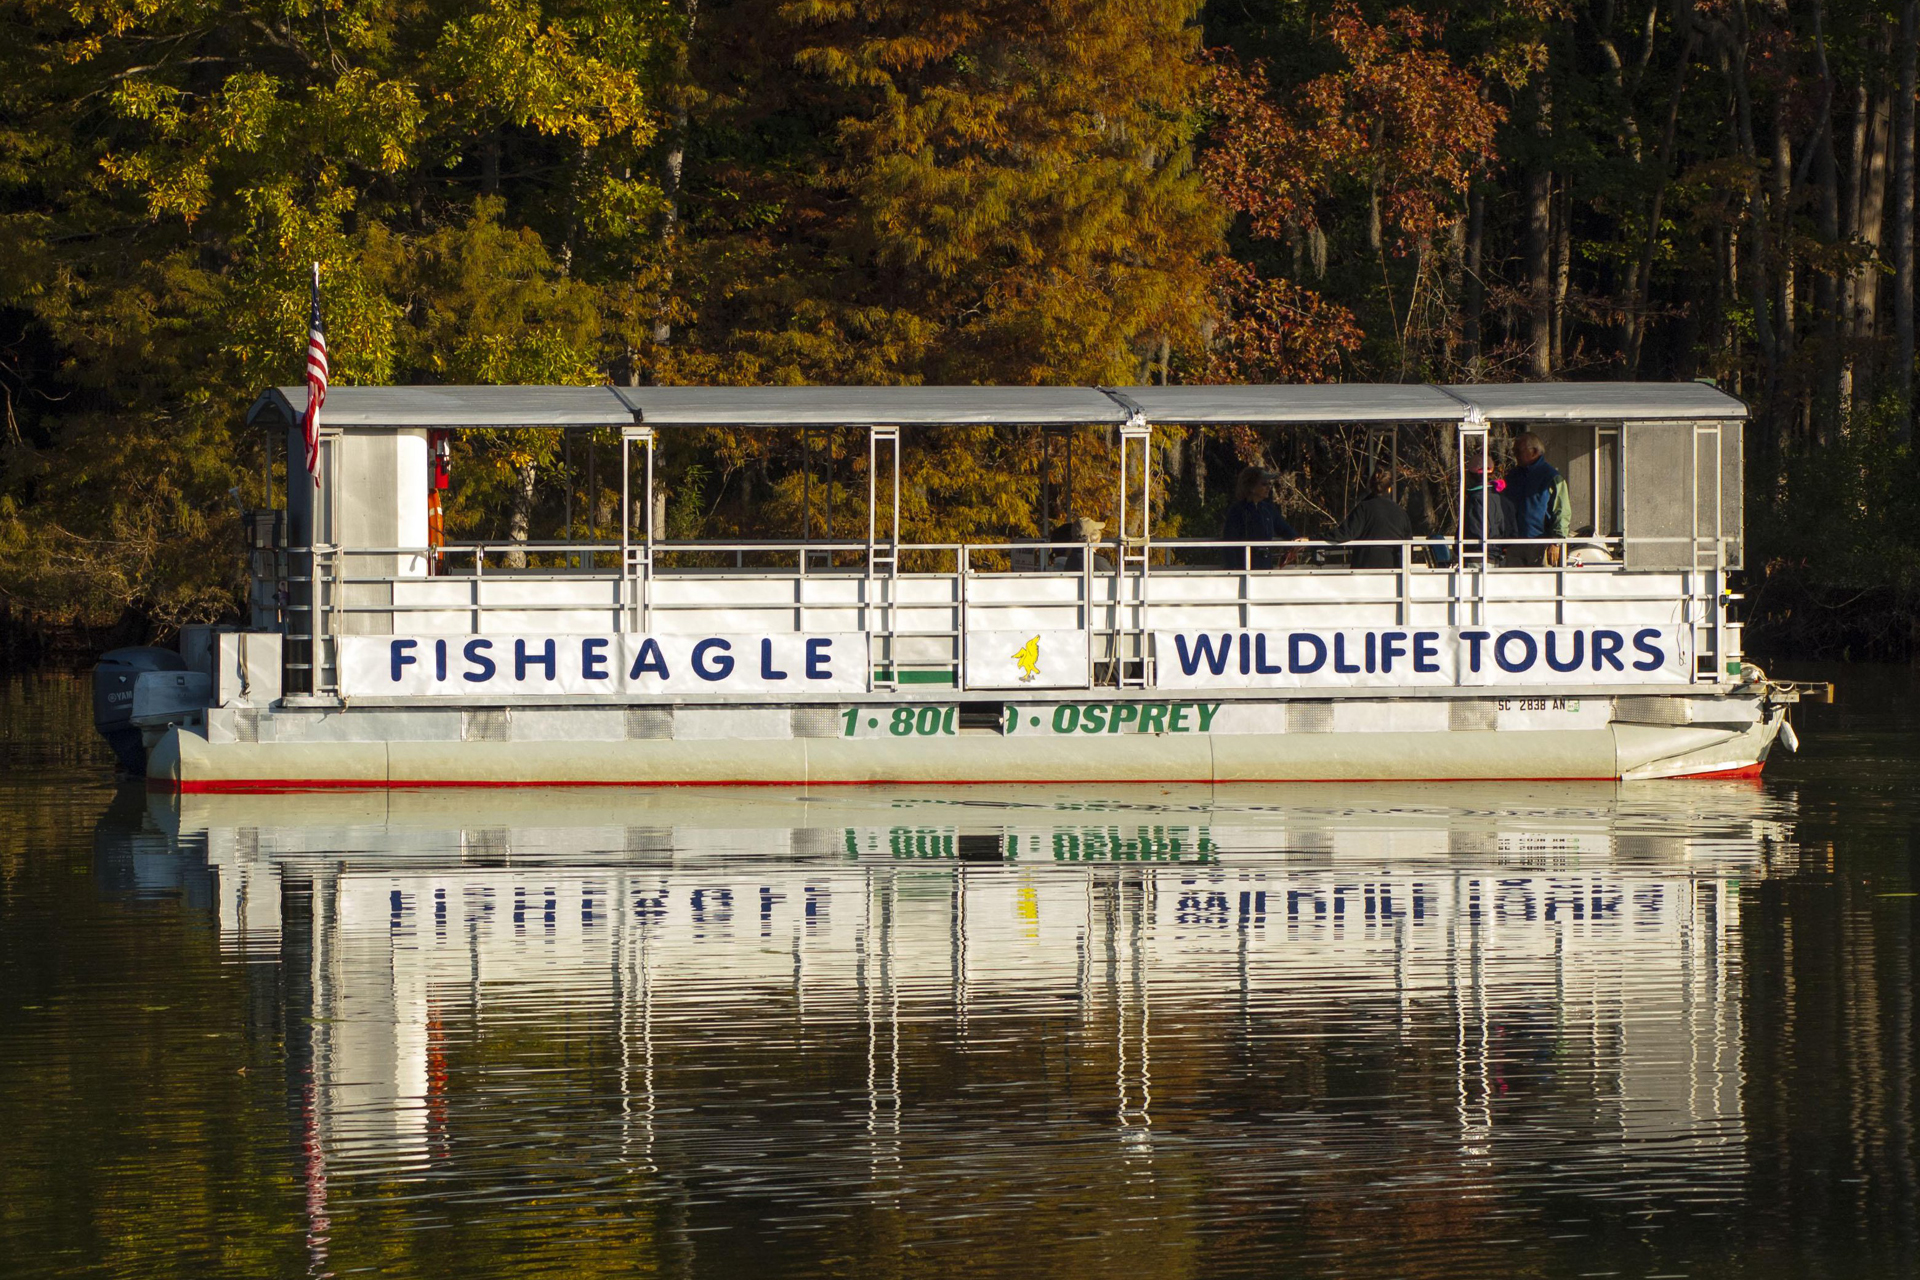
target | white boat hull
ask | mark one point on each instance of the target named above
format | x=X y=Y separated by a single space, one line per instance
x=375 y=748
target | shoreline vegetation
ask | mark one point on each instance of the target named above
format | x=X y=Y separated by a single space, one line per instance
x=943 y=191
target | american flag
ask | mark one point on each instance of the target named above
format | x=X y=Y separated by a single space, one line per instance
x=316 y=381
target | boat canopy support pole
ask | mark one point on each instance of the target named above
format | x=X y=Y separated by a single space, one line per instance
x=1134 y=545
x=1382 y=450
x=1473 y=448
x=883 y=555
x=1709 y=545
x=635 y=600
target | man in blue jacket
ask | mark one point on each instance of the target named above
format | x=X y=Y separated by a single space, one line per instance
x=1541 y=506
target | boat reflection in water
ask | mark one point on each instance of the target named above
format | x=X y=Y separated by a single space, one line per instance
x=893 y=993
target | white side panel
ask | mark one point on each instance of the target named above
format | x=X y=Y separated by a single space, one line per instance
x=1027 y=660
x=609 y=665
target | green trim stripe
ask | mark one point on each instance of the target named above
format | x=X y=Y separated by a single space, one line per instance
x=915 y=677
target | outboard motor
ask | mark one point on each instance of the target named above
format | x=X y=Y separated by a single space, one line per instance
x=143 y=689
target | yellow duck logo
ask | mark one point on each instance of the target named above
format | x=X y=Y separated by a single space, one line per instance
x=1028 y=658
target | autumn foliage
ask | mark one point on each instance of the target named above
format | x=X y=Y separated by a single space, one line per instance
x=1398 y=125
x=942 y=191
x=1400 y=120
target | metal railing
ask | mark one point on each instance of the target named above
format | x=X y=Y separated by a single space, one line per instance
x=1112 y=597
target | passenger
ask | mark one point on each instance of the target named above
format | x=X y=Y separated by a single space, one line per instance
x=1085 y=532
x=1540 y=502
x=1254 y=517
x=1490 y=489
x=1059 y=557
x=1376 y=518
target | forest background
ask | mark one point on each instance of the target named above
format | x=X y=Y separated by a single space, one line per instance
x=937 y=191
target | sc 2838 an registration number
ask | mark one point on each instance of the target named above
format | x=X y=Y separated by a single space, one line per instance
x=1537 y=704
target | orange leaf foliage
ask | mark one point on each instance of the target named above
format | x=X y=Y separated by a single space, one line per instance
x=1400 y=118
x=1277 y=331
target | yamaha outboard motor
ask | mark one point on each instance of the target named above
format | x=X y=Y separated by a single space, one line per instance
x=142 y=685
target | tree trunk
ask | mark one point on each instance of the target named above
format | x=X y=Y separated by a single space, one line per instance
x=672 y=165
x=1873 y=205
x=1770 y=444
x=673 y=160
x=1857 y=156
x=1199 y=468
x=570 y=230
x=1635 y=322
x=1713 y=326
x=1540 y=270
x=1445 y=336
x=1903 y=197
x=1562 y=208
x=520 y=513
x=1826 y=285
x=1855 y=192
x=1781 y=194
x=1475 y=290
x=1629 y=135
x=1761 y=250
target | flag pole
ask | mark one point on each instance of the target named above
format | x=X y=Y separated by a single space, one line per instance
x=317 y=372
x=316 y=377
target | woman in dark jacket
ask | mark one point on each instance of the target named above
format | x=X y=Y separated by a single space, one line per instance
x=1254 y=517
x=1488 y=492
x=1377 y=518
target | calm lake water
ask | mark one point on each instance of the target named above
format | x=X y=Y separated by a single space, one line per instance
x=1642 y=1030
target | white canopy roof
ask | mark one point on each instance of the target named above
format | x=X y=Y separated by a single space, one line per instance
x=450 y=407
x=870 y=406
x=490 y=406
x=1318 y=402
x=1599 y=401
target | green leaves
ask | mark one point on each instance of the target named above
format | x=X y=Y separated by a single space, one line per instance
x=472 y=177
x=969 y=192
x=888 y=191
x=577 y=78
x=489 y=306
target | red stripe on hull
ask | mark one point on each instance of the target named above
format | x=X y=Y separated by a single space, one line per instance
x=1720 y=775
x=285 y=786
